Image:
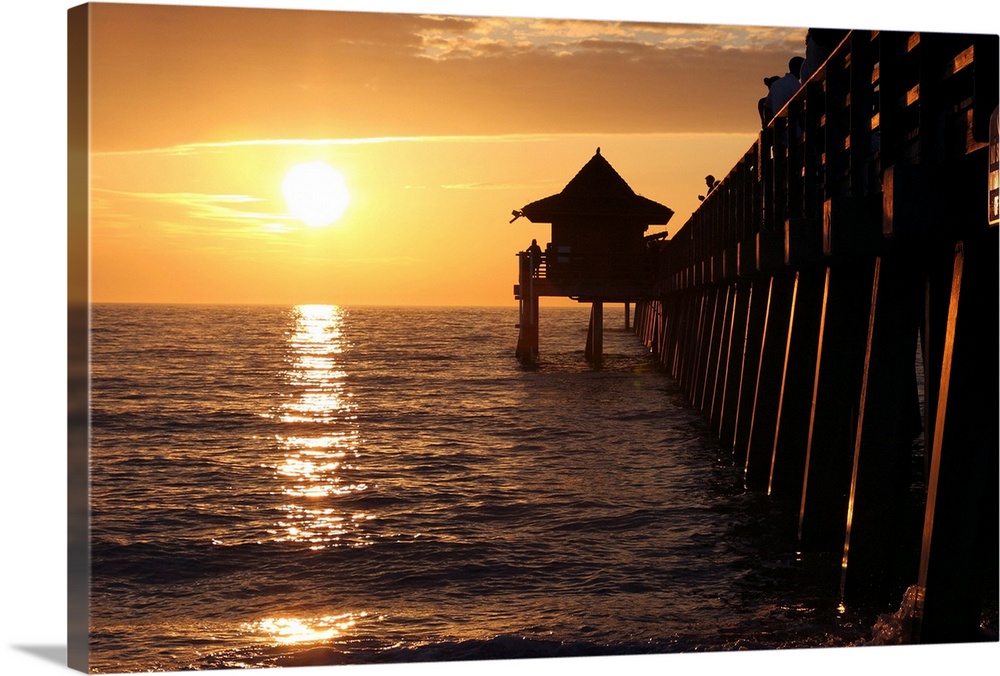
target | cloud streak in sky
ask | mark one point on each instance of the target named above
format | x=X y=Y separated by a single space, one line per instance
x=182 y=213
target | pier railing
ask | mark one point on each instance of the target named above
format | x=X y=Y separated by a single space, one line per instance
x=791 y=305
x=870 y=142
x=593 y=267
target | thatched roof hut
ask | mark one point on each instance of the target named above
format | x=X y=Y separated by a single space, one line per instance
x=597 y=194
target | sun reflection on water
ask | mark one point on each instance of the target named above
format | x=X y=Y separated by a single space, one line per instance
x=315 y=469
x=288 y=630
x=315 y=369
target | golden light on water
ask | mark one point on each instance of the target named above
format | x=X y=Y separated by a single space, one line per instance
x=339 y=441
x=323 y=405
x=315 y=468
x=290 y=630
x=315 y=370
x=316 y=317
x=319 y=527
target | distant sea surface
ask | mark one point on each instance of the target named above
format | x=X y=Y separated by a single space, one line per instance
x=280 y=486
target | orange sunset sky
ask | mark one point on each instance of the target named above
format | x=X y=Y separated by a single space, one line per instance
x=439 y=125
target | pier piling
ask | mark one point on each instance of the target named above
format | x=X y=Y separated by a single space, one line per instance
x=758 y=446
x=833 y=414
x=594 y=350
x=791 y=432
x=888 y=422
x=526 y=293
x=959 y=546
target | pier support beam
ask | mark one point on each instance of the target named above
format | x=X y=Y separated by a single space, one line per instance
x=595 y=333
x=959 y=550
x=527 y=335
x=873 y=566
x=719 y=378
x=730 y=383
x=835 y=396
x=757 y=449
x=791 y=432
x=719 y=346
x=752 y=344
x=710 y=361
x=694 y=343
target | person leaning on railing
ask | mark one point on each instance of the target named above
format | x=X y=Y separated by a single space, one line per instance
x=783 y=89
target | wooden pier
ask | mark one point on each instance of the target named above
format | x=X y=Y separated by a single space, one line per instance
x=855 y=240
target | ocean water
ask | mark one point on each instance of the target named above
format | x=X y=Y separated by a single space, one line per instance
x=281 y=486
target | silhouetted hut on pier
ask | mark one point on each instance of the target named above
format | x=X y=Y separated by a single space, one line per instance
x=598 y=253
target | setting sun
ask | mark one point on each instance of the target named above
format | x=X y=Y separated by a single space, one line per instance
x=316 y=193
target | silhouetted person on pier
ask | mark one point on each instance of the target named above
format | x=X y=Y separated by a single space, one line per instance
x=820 y=43
x=712 y=184
x=535 y=256
x=764 y=118
x=784 y=88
